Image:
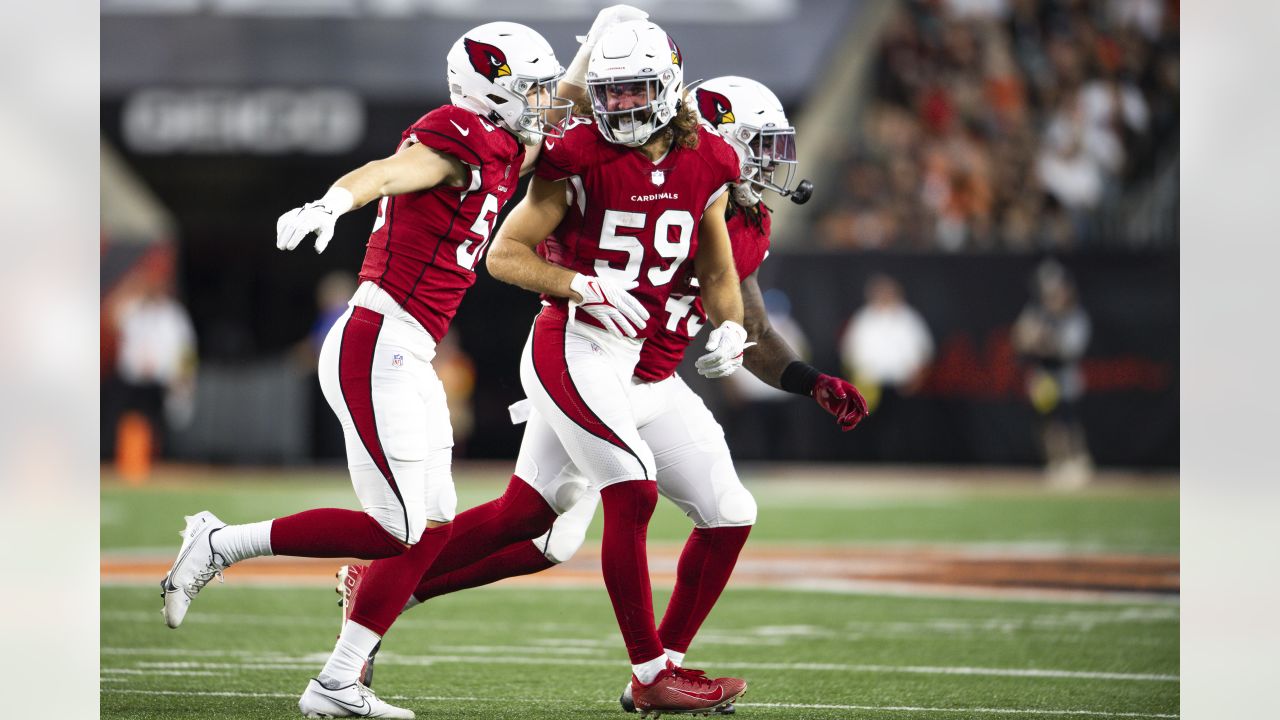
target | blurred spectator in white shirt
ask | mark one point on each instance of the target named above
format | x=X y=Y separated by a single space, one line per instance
x=157 y=358
x=886 y=350
x=1073 y=160
x=887 y=343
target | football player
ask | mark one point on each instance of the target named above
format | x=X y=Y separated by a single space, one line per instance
x=439 y=194
x=694 y=467
x=622 y=210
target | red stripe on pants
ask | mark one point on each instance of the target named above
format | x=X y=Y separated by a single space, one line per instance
x=552 y=369
x=355 y=377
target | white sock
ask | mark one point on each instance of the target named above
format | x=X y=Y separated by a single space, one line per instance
x=645 y=672
x=676 y=658
x=241 y=542
x=349 y=655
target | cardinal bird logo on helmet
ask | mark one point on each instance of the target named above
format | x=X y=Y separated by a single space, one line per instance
x=676 y=58
x=715 y=108
x=487 y=60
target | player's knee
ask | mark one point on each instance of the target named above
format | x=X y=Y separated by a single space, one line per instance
x=736 y=506
x=567 y=495
x=403 y=525
x=562 y=542
x=442 y=503
x=441 y=496
x=417 y=518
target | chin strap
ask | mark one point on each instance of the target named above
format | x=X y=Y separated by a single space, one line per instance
x=745 y=195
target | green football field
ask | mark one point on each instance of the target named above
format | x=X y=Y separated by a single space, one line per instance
x=534 y=650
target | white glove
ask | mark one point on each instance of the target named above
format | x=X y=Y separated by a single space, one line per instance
x=315 y=217
x=610 y=303
x=607 y=18
x=724 y=350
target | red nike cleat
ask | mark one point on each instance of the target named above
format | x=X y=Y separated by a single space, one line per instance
x=349 y=577
x=682 y=691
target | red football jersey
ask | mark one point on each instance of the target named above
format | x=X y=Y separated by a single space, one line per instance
x=425 y=246
x=629 y=219
x=683 y=317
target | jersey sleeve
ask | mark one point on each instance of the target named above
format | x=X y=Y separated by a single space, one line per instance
x=721 y=162
x=453 y=131
x=562 y=157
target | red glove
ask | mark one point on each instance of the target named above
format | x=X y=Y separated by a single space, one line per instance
x=840 y=398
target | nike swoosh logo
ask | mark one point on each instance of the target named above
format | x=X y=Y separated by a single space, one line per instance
x=461 y=132
x=363 y=708
x=713 y=697
x=551 y=145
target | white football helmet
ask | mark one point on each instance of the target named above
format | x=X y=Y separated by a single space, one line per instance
x=493 y=67
x=750 y=117
x=635 y=79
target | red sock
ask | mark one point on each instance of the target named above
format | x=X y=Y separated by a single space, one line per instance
x=518 y=558
x=519 y=514
x=331 y=532
x=388 y=583
x=704 y=569
x=627 y=508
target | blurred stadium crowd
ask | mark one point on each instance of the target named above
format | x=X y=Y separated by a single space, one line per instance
x=1016 y=125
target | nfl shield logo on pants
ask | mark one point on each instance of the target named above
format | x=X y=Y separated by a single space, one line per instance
x=397 y=360
x=658 y=177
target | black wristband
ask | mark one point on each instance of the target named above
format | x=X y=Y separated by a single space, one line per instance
x=799 y=378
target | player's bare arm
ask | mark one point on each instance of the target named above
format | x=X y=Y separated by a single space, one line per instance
x=713 y=265
x=771 y=354
x=774 y=361
x=413 y=168
x=721 y=294
x=512 y=258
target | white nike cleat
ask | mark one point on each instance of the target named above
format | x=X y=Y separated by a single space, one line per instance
x=196 y=565
x=354 y=700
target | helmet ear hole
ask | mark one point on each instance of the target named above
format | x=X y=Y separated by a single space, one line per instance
x=496 y=99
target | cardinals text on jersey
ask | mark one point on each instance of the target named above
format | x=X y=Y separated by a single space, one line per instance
x=630 y=219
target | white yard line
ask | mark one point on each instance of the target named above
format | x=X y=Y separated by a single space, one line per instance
x=948 y=670
x=152 y=671
x=279 y=662
x=871 y=708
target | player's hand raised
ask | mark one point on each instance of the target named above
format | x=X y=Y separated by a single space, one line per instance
x=609 y=302
x=607 y=18
x=724 y=350
x=316 y=217
x=840 y=398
